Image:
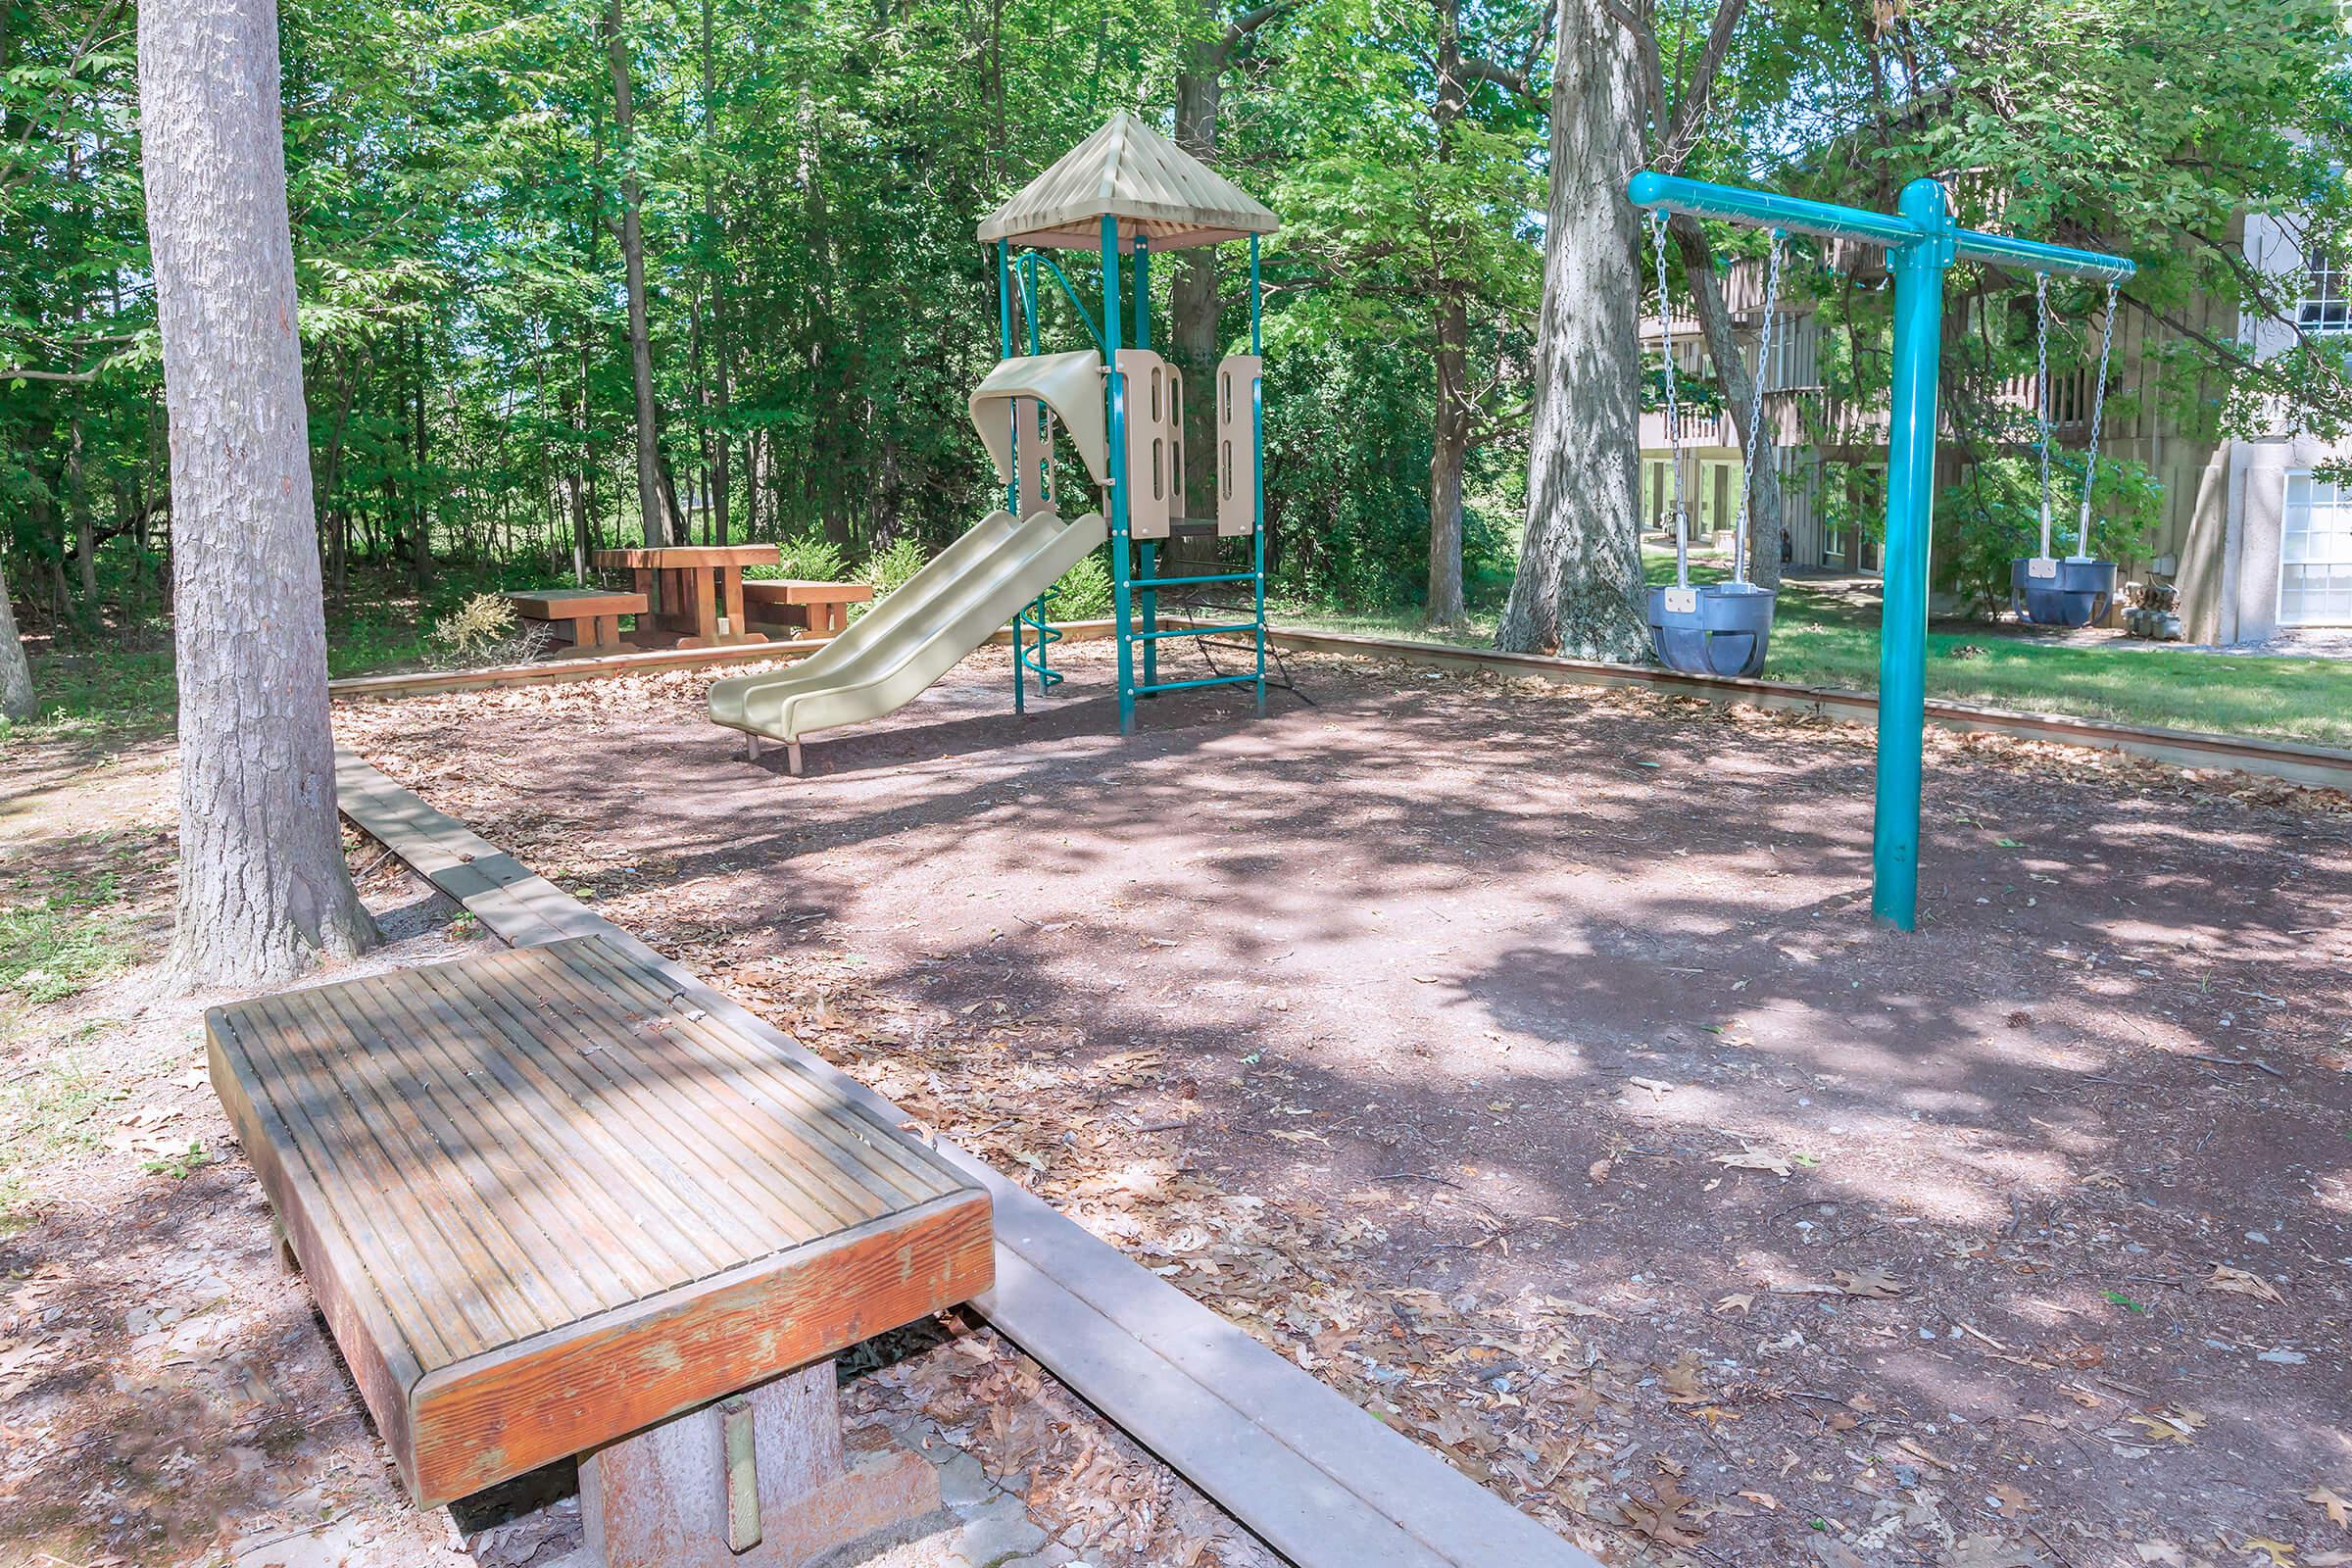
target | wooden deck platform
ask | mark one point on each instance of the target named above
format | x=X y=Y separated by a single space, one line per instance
x=544 y=1200
x=1321 y=1481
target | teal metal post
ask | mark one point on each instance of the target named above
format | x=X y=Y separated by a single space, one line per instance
x=1146 y=551
x=1012 y=483
x=1918 y=267
x=1257 y=470
x=1115 y=395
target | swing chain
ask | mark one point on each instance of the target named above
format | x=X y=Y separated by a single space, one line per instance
x=2098 y=408
x=1673 y=427
x=1756 y=405
x=2042 y=395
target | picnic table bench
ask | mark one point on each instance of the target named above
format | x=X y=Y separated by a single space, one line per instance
x=806 y=607
x=696 y=589
x=585 y=621
x=548 y=1210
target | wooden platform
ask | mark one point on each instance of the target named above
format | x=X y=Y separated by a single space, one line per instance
x=1323 y=1482
x=544 y=1200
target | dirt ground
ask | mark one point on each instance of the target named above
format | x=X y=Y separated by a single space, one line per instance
x=1521 y=1061
x=169 y=1395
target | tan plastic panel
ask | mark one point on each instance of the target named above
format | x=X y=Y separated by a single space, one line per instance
x=1033 y=447
x=1152 y=485
x=1071 y=384
x=1236 y=445
x=910 y=639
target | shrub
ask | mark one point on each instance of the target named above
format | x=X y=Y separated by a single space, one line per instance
x=1084 y=591
x=889 y=570
x=811 y=558
x=484 y=631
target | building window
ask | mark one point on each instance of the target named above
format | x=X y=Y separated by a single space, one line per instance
x=2315 y=555
x=2326 y=296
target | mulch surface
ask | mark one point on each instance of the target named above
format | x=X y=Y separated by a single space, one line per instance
x=1522 y=1061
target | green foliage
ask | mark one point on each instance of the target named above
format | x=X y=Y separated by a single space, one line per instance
x=890 y=569
x=1993 y=515
x=1084 y=592
x=811 y=558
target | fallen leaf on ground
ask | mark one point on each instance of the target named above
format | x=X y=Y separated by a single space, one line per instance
x=2237 y=1281
x=2339 y=1507
x=1875 y=1283
x=1754 y=1159
x=2174 y=1425
x=1741 y=1305
x=2281 y=1554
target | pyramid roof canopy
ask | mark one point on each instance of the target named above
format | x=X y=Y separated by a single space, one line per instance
x=1129 y=172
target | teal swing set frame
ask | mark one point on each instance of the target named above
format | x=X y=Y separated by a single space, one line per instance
x=1923 y=241
x=1135 y=583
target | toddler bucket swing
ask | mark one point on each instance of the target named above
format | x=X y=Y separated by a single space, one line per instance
x=2075 y=591
x=1713 y=629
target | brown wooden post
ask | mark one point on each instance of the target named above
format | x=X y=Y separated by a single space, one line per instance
x=707 y=1490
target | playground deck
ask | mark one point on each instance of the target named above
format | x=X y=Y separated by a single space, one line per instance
x=1519 y=1060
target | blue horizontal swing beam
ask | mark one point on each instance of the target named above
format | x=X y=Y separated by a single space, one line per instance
x=1922 y=242
x=1798 y=214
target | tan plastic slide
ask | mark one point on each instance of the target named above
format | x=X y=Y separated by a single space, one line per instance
x=891 y=654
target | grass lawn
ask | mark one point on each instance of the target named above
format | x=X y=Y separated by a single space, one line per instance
x=1822 y=637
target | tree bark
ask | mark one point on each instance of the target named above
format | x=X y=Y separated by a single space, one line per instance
x=1193 y=309
x=1579 y=586
x=656 y=525
x=263 y=883
x=1450 y=419
x=721 y=482
x=16 y=702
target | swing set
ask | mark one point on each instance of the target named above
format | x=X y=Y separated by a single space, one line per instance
x=1922 y=241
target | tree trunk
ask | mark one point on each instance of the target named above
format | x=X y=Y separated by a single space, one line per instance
x=632 y=254
x=16 y=672
x=1579 y=586
x=1731 y=372
x=1449 y=434
x=1450 y=449
x=263 y=884
x=720 y=482
x=423 y=549
x=1195 y=311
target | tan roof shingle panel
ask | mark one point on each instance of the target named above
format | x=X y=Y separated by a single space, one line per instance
x=1129 y=172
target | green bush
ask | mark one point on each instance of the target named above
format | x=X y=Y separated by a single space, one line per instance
x=888 y=570
x=1992 y=515
x=1084 y=591
x=811 y=558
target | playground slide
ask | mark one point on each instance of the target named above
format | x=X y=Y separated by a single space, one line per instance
x=914 y=635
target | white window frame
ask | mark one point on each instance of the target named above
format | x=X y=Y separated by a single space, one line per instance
x=2326 y=308
x=2342 y=500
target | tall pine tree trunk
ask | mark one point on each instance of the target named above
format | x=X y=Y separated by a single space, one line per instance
x=632 y=256
x=263 y=884
x=1579 y=586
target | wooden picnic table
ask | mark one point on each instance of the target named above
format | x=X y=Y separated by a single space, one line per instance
x=692 y=586
x=549 y=1209
x=805 y=607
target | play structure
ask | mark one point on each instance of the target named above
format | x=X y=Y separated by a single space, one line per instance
x=1722 y=628
x=1125 y=190
x=2079 y=589
x=1922 y=241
